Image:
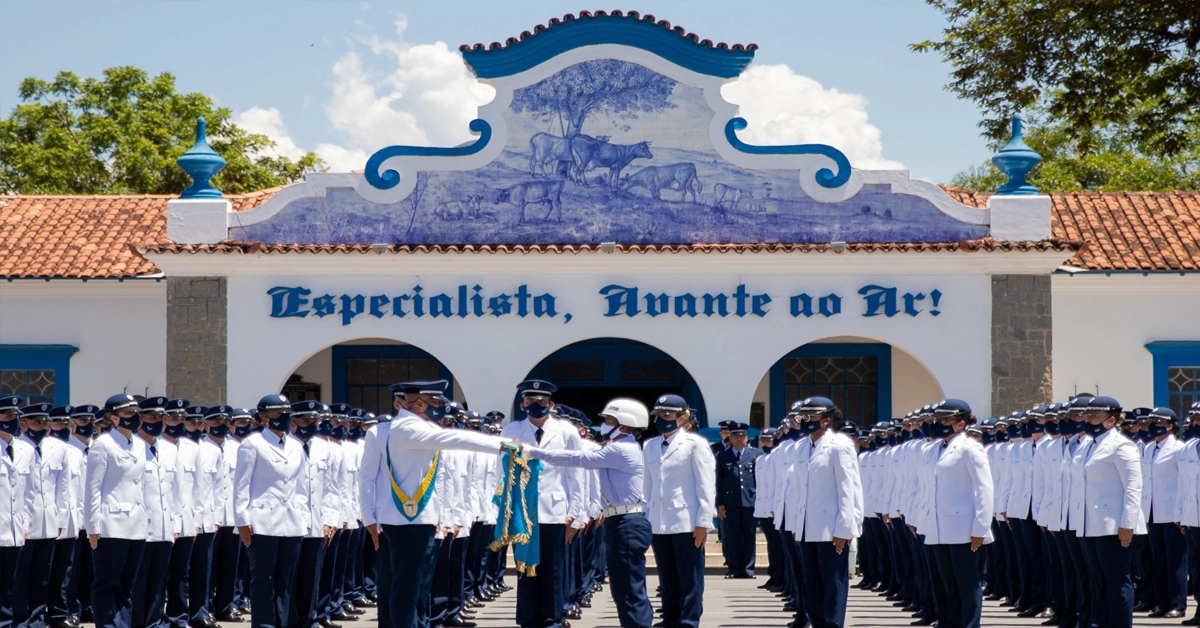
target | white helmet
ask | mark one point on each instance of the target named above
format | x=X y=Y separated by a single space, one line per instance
x=629 y=412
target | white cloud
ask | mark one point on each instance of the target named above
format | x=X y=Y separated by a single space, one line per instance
x=269 y=122
x=783 y=107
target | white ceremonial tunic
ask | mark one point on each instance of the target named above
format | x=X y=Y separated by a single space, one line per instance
x=187 y=476
x=680 y=483
x=824 y=489
x=269 y=491
x=1187 y=500
x=48 y=485
x=15 y=498
x=560 y=489
x=76 y=466
x=115 y=503
x=324 y=500
x=159 y=492
x=962 y=494
x=1160 y=482
x=212 y=486
x=1112 y=483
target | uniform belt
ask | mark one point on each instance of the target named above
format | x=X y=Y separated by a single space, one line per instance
x=622 y=510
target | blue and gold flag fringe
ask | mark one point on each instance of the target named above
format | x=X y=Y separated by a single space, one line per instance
x=517 y=499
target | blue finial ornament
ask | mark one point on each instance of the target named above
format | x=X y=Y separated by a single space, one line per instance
x=1016 y=160
x=201 y=163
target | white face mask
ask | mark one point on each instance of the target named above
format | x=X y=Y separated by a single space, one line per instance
x=612 y=431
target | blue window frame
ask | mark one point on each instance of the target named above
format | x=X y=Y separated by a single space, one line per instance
x=39 y=373
x=362 y=373
x=1176 y=374
x=856 y=376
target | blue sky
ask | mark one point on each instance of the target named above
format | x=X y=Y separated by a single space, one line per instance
x=319 y=73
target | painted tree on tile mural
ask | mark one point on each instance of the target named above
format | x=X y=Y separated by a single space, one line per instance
x=601 y=87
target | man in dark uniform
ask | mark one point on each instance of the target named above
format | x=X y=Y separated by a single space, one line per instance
x=735 y=501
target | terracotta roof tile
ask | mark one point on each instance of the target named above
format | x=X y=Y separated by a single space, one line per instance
x=1138 y=231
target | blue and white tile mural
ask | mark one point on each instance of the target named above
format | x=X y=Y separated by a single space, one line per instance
x=609 y=151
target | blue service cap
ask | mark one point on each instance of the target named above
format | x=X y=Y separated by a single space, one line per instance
x=436 y=388
x=881 y=426
x=846 y=427
x=218 y=412
x=120 y=402
x=195 y=413
x=951 y=407
x=10 y=404
x=1079 y=403
x=36 y=411
x=241 y=413
x=1163 y=414
x=474 y=418
x=987 y=423
x=1037 y=412
x=177 y=406
x=1018 y=416
x=1192 y=411
x=669 y=403
x=726 y=425
x=60 y=413
x=340 y=409
x=864 y=433
x=1052 y=409
x=1103 y=404
x=85 y=412
x=495 y=415
x=536 y=388
x=768 y=432
x=355 y=415
x=813 y=405
x=739 y=428
x=154 y=405
x=275 y=403
x=306 y=408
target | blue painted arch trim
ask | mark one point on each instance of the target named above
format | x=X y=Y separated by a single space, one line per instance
x=592 y=29
x=825 y=177
x=1167 y=354
x=55 y=358
x=389 y=179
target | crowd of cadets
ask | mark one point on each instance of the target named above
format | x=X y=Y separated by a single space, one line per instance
x=135 y=515
x=1085 y=514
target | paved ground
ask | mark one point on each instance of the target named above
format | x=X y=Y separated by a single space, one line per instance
x=739 y=604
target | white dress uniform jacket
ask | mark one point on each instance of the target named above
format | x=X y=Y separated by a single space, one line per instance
x=352 y=452
x=1053 y=482
x=48 y=484
x=209 y=483
x=1020 y=472
x=1160 y=482
x=962 y=494
x=680 y=483
x=779 y=469
x=76 y=466
x=269 y=491
x=336 y=461
x=1074 y=505
x=159 y=493
x=1112 y=482
x=1004 y=474
x=1187 y=500
x=824 y=489
x=115 y=504
x=764 y=485
x=187 y=476
x=412 y=442
x=15 y=498
x=324 y=504
x=560 y=489
x=924 y=516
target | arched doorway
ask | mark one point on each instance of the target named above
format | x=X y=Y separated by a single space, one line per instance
x=870 y=381
x=591 y=372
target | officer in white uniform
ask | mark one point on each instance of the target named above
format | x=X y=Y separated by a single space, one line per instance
x=270 y=509
x=58 y=612
x=825 y=493
x=187 y=477
x=324 y=511
x=220 y=548
x=680 y=493
x=1160 y=486
x=960 y=515
x=16 y=465
x=1111 y=513
x=79 y=586
x=118 y=522
x=1187 y=500
x=764 y=488
x=561 y=506
x=163 y=505
x=407 y=514
x=48 y=517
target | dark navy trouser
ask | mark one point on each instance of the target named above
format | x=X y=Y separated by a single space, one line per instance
x=626 y=538
x=115 y=564
x=741 y=554
x=150 y=585
x=201 y=577
x=303 y=613
x=273 y=562
x=1112 y=581
x=681 y=573
x=178 y=577
x=411 y=552
x=961 y=600
x=61 y=573
x=1168 y=549
x=540 y=598
x=826 y=583
x=32 y=584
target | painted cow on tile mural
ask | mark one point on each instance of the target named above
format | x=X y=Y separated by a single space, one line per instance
x=534 y=193
x=546 y=149
x=728 y=197
x=678 y=177
x=590 y=152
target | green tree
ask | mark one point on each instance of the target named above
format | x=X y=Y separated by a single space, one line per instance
x=122 y=134
x=1086 y=63
x=1112 y=164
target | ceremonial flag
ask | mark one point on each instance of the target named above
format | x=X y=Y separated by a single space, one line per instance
x=517 y=499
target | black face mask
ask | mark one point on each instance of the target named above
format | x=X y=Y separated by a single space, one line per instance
x=85 y=431
x=194 y=436
x=153 y=429
x=63 y=434
x=1052 y=429
x=36 y=435
x=356 y=433
x=11 y=427
x=809 y=427
x=1001 y=436
x=664 y=426
x=766 y=449
x=1192 y=431
x=987 y=439
x=281 y=424
x=940 y=430
x=242 y=431
x=132 y=423
x=175 y=431
x=1036 y=428
x=1094 y=429
x=305 y=432
x=218 y=431
x=536 y=411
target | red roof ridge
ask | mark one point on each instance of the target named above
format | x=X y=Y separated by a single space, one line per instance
x=616 y=13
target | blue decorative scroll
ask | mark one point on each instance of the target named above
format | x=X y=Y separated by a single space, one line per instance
x=825 y=177
x=389 y=179
x=517 y=499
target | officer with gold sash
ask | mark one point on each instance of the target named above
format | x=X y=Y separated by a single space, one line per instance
x=412 y=457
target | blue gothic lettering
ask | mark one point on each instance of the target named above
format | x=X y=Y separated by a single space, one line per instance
x=287 y=302
x=880 y=300
x=351 y=306
x=802 y=305
x=830 y=305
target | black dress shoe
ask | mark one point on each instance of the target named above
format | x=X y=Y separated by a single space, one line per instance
x=925 y=621
x=349 y=608
x=364 y=602
x=789 y=608
x=566 y=624
x=1049 y=614
x=456 y=622
x=1142 y=607
x=911 y=608
x=585 y=604
x=340 y=616
x=893 y=598
x=1158 y=612
x=244 y=606
x=1175 y=614
x=325 y=623
x=231 y=617
x=467 y=616
x=472 y=603
x=1030 y=612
